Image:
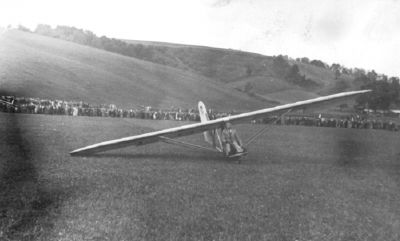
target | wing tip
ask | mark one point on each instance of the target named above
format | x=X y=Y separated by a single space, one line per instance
x=79 y=152
x=74 y=153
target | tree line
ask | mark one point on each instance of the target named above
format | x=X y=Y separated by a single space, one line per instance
x=88 y=38
x=385 y=91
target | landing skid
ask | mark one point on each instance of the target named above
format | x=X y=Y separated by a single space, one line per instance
x=236 y=155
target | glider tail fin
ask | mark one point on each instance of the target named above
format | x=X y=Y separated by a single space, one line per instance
x=203 y=112
x=210 y=136
x=204 y=118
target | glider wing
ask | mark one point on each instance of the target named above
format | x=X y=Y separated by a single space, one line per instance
x=190 y=129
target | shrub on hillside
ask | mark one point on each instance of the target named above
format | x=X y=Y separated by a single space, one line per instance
x=291 y=73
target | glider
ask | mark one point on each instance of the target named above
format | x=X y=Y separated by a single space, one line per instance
x=212 y=128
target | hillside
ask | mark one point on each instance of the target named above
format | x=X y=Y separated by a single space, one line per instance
x=239 y=69
x=225 y=65
x=38 y=66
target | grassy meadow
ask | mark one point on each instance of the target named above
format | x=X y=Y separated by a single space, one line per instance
x=297 y=183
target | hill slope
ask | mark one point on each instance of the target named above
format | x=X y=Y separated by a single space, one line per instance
x=239 y=68
x=39 y=66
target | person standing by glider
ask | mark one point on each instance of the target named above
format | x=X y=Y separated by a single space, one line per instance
x=232 y=143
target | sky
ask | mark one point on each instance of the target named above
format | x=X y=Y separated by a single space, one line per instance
x=353 y=33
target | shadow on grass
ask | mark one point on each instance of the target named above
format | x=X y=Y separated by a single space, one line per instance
x=24 y=203
x=349 y=151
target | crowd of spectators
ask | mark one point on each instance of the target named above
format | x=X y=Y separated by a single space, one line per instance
x=80 y=108
x=353 y=121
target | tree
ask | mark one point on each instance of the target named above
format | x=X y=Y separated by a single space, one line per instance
x=382 y=96
x=44 y=29
x=318 y=63
x=305 y=60
x=394 y=80
x=362 y=79
x=336 y=68
x=358 y=72
x=337 y=74
x=280 y=65
x=346 y=70
x=293 y=74
x=372 y=75
x=382 y=77
x=23 y=28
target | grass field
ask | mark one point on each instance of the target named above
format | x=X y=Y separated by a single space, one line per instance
x=297 y=183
